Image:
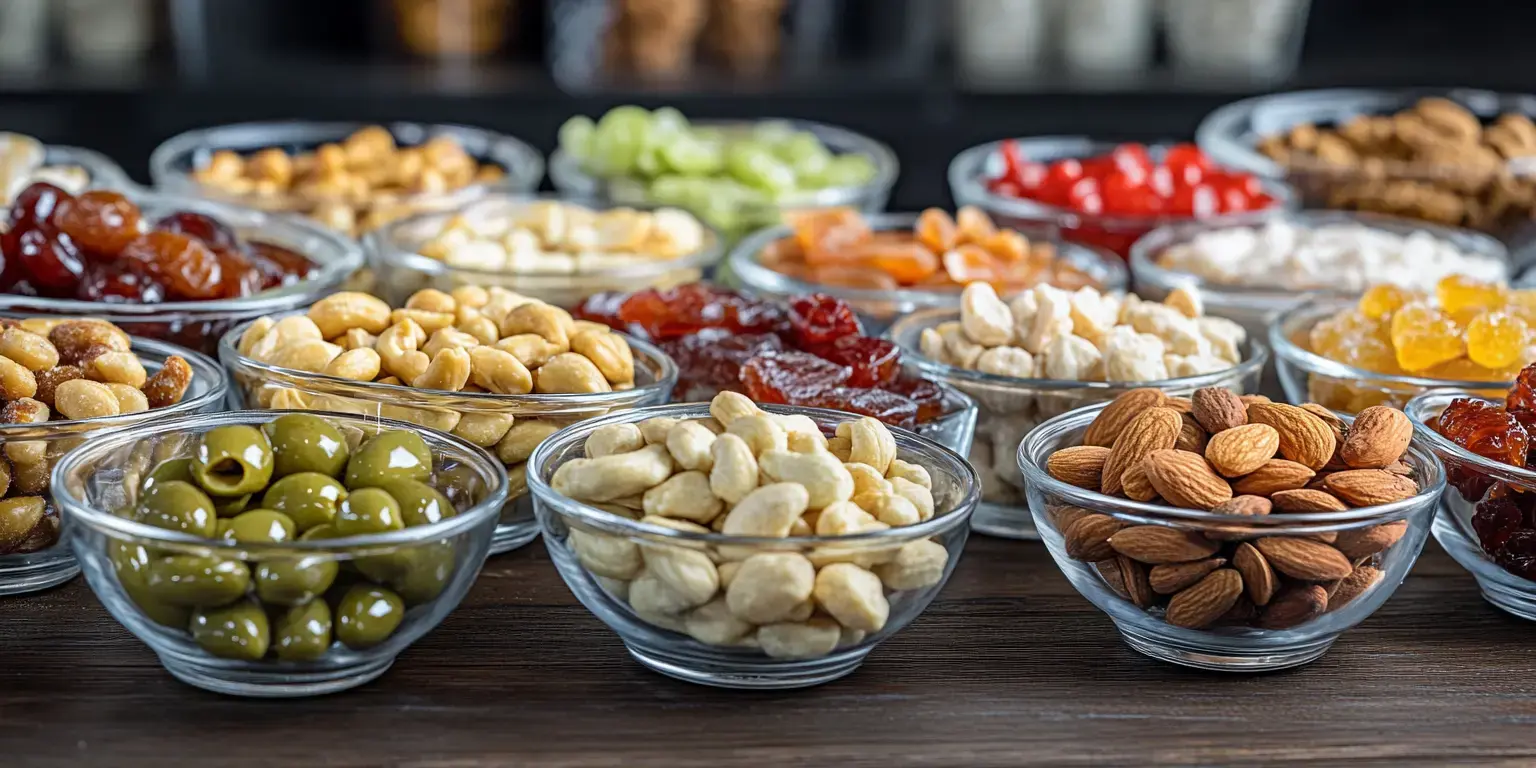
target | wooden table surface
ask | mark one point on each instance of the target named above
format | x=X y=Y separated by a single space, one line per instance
x=1009 y=667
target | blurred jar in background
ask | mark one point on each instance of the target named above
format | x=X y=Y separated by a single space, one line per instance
x=745 y=34
x=1001 y=39
x=453 y=29
x=655 y=38
x=1109 y=37
x=23 y=34
x=106 y=32
x=1254 y=39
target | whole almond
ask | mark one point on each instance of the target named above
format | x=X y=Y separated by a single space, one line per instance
x=1378 y=438
x=1080 y=465
x=1157 y=544
x=1180 y=404
x=1242 y=612
x=1206 y=601
x=1134 y=577
x=1340 y=429
x=1112 y=421
x=1352 y=586
x=1192 y=436
x=1251 y=399
x=1241 y=450
x=1258 y=578
x=1185 y=479
x=1109 y=571
x=1364 y=542
x=1243 y=505
x=1274 y=475
x=1369 y=487
x=1217 y=409
x=1304 y=438
x=1303 y=559
x=1306 y=500
x=1169 y=578
x=1065 y=515
x=1135 y=484
x=1296 y=605
x=1087 y=538
x=1154 y=429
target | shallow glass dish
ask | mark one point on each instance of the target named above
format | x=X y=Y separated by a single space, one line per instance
x=1471 y=478
x=1224 y=648
x=879 y=308
x=1009 y=408
x=401 y=270
x=94 y=483
x=30 y=451
x=678 y=655
x=102 y=171
x=198 y=324
x=255 y=384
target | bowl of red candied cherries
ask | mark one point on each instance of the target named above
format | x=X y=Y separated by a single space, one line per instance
x=1103 y=194
x=1487 y=519
x=173 y=268
x=811 y=351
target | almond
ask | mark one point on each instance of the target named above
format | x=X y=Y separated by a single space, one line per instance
x=1154 y=429
x=1169 y=578
x=1087 y=538
x=1080 y=465
x=1352 y=586
x=1217 y=409
x=1241 y=450
x=1296 y=605
x=1241 y=612
x=1185 y=479
x=1243 y=505
x=1131 y=578
x=1400 y=467
x=1307 y=500
x=1370 y=487
x=1379 y=437
x=1258 y=578
x=1303 y=559
x=1192 y=436
x=1121 y=411
x=1334 y=423
x=1274 y=475
x=1304 y=438
x=1109 y=571
x=1065 y=515
x=1135 y=484
x=1206 y=601
x=1157 y=544
x=1180 y=404
x=1248 y=400
x=1364 y=542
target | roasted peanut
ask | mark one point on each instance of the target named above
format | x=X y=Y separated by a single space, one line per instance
x=522 y=438
x=500 y=372
x=34 y=352
x=16 y=382
x=614 y=439
x=78 y=340
x=359 y=364
x=569 y=372
x=448 y=371
x=117 y=368
x=609 y=352
x=129 y=399
x=84 y=399
x=531 y=349
x=49 y=380
x=483 y=429
x=169 y=384
x=432 y=300
x=339 y=313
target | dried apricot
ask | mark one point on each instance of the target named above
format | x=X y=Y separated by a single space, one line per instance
x=973 y=225
x=936 y=230
x=971 y=263
x=906 y=264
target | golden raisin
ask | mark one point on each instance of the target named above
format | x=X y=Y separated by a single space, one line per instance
x=1382 y=300
x=1464 y=297
x=1424 y=336
x=1496 y=339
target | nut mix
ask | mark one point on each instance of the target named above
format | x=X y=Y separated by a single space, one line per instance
x=744 y=472
x=64 y=370
x=1235 y=458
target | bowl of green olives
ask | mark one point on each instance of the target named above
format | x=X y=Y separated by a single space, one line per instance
x=279 y=554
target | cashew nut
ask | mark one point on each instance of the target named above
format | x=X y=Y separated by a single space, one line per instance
x=613 y=477
x=657 y=429
x=895 y=511
x=854 y=596
x=483 y=429
x=799 y=640
x=727 y=407
x=614 y=439
x=431 y=300
x=841 y=447
x=734 y=474
x=770 y=587
x=913 y=472
x=567 y=373
x=358 y=364
x=760 y=431
x=684 y=495
x=606 y=555
x=397 y=348
x=768 y=511
x=868 y=485
x=917 y=564
x=340 y=312
x=311 y=355
x=687 y=572
x=540 y=318
x=871 y=442
x=845 y=518
x=713 y=623
x=920 y=497
x=690 y=442
x=825 y=478
x=609 y=352
x=530 y=349
x=448 y=338
x=656 y=603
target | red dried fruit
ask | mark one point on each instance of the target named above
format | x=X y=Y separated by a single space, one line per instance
x=712 y=359
x=1521 y=542
x=187 y=268
x=100 y=221
x=875 y=362
x=49 y=259
x=238 y=276
x=1486 y=430
x=1521 y=400
x=1523 y=566
x=1494 y=522
x=674 y=312
x=112 y=285
x=821 y=319
x=602 y=308
x=786 y=377
x=196 y=225
x=36 y=204
x=928 y=396
x=889 y=407
x=278 y=266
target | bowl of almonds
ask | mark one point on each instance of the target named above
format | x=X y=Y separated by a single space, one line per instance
x=1231 y=535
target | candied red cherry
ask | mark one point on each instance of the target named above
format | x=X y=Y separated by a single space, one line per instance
x=889 y=407
x=928 y=396
x=875 y=362
x=114 y=285
x=786 y=377
x=1485 y=429
x=674 y=312
x=36 y=204
x=100 y=221
x=49 y=259
x=1494 y=522
x=188 y=269
x=821 y=319
x=205 y=228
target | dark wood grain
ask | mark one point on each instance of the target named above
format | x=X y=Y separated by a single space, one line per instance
x=1009 y=667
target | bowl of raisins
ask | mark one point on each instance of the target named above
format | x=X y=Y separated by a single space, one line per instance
x=1487 y=518
x=174 y=268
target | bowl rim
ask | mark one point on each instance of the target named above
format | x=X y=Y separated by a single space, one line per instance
x=611 y=523
x=1419 y=409
x=1036 y=476
x=1257 y=358
x=103 y=170
x=81 y=513
x=383 y=244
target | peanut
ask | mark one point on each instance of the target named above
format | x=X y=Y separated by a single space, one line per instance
x=85 y=399
x=34 y=352
x=339 y=313
x=500 y=372
x=483 y=429
x=609 y=352
x=522 y=438
x=129 y=399
x=357 y=364
x=569 y=372
x=117 y=368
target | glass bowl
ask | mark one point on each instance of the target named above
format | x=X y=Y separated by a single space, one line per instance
x=198 y=324
x=668 y=649
x=255 y=384
x=970 y=169
x=1009 y=408
x=1474 y=478
x=102 y=171
x=401 y=271
x=879 y=308
x=735 y=220
x=1224 y=648
x=1308 y=377
x=97 y=482
x=29 y=452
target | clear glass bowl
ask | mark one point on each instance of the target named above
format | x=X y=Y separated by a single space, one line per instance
x=1308 y=377
x=1224 y=648
x=676 y=654
x=970 y=170
x=97 y=482
x=1009 y=408
x=255 y=384
x=879 y=308
x=1471 y=479
x=30 y=451
x=103 y=172
x=198 y=324
x=401 y=271
x=574 y=183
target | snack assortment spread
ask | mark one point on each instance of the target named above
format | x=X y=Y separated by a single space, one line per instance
x=747 y=473
x=64 y=370
x=23 y=159
x=1331 y=257
x=1240 y=458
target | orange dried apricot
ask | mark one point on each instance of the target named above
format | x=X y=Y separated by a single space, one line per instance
x=852 y=277
x=970 y=263
x=907 y=263
x=936 y=230
x=1007 y=245
x=973 y=225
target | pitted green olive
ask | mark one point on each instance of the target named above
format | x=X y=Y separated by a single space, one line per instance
x=236 y=631
x=176 y=505
x=131 y=563
x=367 y=615
x=368 y=510
x=303 y=632
x=193 y=581
x=259 y=525
x=232 y=506
x=306 y=443
x=420 y=504
x=233 y=460
x=294 y=581
x=308 y=498
x=395 y=455
x=168 y=470
x=424 y=572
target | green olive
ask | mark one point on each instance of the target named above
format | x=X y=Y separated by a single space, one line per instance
x=393 y=455
x=232 y=461
x=176 y=505
x=166 y=471
x=424 y=573
x=193 y=581
x=303 y=632
x=258 y=525
x=232 y=506
x=305 y=443
x=236 y=631
x=131 y=562
x=367 y=615
x=368 y=510
x=294 y=581
x=308 y=498
x=420 y=504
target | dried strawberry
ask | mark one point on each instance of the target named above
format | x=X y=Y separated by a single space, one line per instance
x=821 y=319
x=928 y=396
x=875 y=362
x=673 y=312
x=787 y=377
x=889 y=407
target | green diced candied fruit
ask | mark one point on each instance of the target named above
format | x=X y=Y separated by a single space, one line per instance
x=576 y=136
x=846 y=171
x=756 y=166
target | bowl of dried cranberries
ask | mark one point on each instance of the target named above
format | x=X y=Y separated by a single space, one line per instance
x=167 y=267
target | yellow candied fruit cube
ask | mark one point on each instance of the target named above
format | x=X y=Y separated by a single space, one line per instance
x=1384 y=299
x=1331 y=337
x=1424 y=336
x=1460 y=295
x=1370 y=353
x=1464 y=369
x=1496 y=339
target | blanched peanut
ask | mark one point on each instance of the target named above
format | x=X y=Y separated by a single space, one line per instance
x=357 y=364
x=917 y=564
x=730 y=406
x=531 y=349
x=483 y=429
x=768 y=511
x=688 y=572
x=340 y=312
x=311 y=355
x=447 y=338
x=845 y=518
x=522 y=438
x=500 y=372
x=769 y=587
x=799 y=640
x=656 y=429
x=713 y=623
x=448 y=371
x=606 y=555
x=34 y=352
x=854 y=596
x=84 y=399
x=430 y=322
x=432 y=300
x=614 y=439
x=685 y=495
x=129 y=399
x=690 y=442
x=253 y=333
x=569 y=372
x=871 y=442
x=613 y=477
x=356 y=338
x=761 y=432
x=500 y=301
x=920 y=497
x=912 y=472
x=609 y=352
x=16 y=382
x=481 y=328
x=895 y=511
x=538 y=318
x=117 y=368
x=734 y=474
x=825 y=478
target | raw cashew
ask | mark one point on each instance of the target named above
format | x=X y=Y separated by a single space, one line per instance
x=802 y=427
x=656 y=429
x=685 y=495
x=657 y=603
x=920 y=496
x=917 y=564
x=909 y=471
x=985 y=318
x=614 y=439
x=799 y=640
x=730 y=406
x=727 y=573
x=845 y=518
x=761 y=432
x=613 y=477
x=688 y=572
x=734 y=474
x=895 y=511
x=800 y=442
x=868 y=485
x=431 y=300
x=872 y=443
x=854 y=596
x=769 y=587
x=689 y=443
x=713 y=623
x=825 y=478
x=606 y=555
x=767 y=511
x=841 y=447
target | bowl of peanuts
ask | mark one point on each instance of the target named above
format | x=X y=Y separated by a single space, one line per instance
x=498 y=369
x=62 y=381
x=742 y=547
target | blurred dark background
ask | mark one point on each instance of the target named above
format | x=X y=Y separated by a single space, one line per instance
x=930 y=77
